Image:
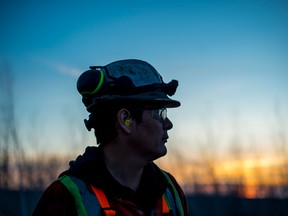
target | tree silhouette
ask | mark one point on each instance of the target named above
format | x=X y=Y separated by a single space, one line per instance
x=9 y=142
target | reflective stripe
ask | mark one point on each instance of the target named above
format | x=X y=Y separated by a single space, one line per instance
x=103 y=201
x=89 y=203
x=170 y=200
x=161 y=207
x=165 y=208
x=177 y=198
x=74 y=190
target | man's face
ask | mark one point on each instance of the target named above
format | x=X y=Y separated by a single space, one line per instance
x=150 y=135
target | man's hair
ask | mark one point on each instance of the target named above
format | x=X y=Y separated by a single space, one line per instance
x=103 y=120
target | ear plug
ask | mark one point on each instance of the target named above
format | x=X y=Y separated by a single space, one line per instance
x=127 y=122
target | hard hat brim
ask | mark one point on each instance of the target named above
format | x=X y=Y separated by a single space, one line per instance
x=145 y=100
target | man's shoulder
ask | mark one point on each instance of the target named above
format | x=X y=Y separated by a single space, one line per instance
x=56 y=188
x=56 y=198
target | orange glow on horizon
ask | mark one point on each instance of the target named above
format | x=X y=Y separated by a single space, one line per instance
x=252 y=175
x=249 y=178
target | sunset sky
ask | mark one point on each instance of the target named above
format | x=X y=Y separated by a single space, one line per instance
x=230 y=57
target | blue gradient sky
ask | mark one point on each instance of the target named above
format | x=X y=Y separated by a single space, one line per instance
x=230 y=57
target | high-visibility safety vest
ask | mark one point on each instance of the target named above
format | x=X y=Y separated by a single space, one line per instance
x=96 y=203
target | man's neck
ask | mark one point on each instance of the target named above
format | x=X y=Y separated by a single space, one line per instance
x=123 y=167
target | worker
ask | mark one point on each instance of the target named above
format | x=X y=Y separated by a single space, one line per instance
x=127 y=101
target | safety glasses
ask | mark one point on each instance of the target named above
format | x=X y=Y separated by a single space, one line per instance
x=160 y=114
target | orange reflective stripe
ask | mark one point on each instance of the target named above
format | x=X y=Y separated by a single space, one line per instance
x=165 y=208
x=109 y=212
x=103 y=202
x=162 y=207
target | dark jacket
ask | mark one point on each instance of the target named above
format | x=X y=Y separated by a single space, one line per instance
x=90 y=167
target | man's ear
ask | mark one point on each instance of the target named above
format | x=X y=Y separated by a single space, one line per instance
x=124 y=120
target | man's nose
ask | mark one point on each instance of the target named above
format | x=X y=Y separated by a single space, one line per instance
x=167 y=124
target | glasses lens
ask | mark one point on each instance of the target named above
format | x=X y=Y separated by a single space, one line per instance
x=163 y=114
x=160 y=114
